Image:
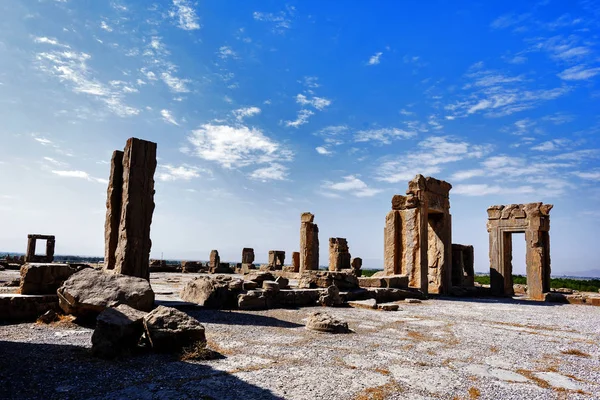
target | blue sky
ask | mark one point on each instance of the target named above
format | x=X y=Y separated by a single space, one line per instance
x=263 y=110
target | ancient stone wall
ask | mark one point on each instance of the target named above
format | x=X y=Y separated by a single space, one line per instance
x=309 y=243
x=214 y=262
x=247 y=255
x=534 y=220
x=418 y=235
x=463 y=272
x=130 y=254
x=48 y=257
x=276 y=259
x=339 y=255
x=296 y=261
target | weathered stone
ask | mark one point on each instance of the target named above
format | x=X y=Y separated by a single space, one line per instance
x=330 y=297
x=18 y=307
x=48 y=257
x=371 y=304
x=247 y=255
x=169 y=329
x=118 y=330
x=309 y=243
x=89 y=292
x=323 y=322
x=191 y=266
x=137 y=206
x=283 y=282
x=339 y=255
x=114 y=196
x=214 y=261
x=48 y=317
x=259 y=277
x=417 y=235
x=388 y=307
x=388 y=281
x=295 y=261
x=534 y=220
x=243 y=268
x=356 y=265
x=324 y=279
x=44 y=278
x=253 y=300
x=299 y=297
x=270 y=286
x=412 y=301
x=276 y=259
x=463 y=272
x=249 y=285
x=224 y=268
x=213 y=292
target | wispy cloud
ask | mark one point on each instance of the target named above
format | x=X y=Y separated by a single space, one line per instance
x=280 y=22
x=176 y=85
x=320 y=103
x=375 y=58
x=78 y=174
x=274 y=172
x=246 y=112
x=185 y=15
x=323 y=150
x=226 y=52
x=383 y=135
x=303 y=116
x=579 y=73
x=167 y=116
x=168 y=172
x=350 y=184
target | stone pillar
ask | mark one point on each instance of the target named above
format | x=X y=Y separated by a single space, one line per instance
x=392 y=252
x=114 y=196
x=309 y=243
x=214 y=261
x=463 y=273
x=50 y=244
x=296 y=261
x=137 y=206
x=356 y=265
x=276 y=259
x=30 y=255
x=247 y=256
x=339 y=256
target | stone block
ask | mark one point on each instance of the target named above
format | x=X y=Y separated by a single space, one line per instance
x=118 y=330
x=213 y=292
x=370 y=303
x=19 y=307
x=44 y=278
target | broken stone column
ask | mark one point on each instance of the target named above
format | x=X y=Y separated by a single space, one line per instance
x=31 y=257
x=356 y=265
x=214 y=262
x=309 y=243
x=130 y=254
x=114 y=196
x=339 y=256
x=247 y=255
x=296 y=261
x=534 y=220
x=276 y=259
x=418 y=236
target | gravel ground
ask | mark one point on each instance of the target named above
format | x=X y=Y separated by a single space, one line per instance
x=439 y=349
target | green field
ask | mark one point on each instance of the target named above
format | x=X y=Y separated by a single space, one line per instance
x=582 y=285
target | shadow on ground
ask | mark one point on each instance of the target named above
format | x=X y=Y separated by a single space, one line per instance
x=226 y=317
x=50 y=371
x=499 y=300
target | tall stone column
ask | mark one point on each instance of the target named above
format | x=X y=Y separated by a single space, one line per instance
x=309 y=243
x=132 y=254
x=114 y=196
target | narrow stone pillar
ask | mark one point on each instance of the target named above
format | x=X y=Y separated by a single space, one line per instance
x=247 y=255
x=214 y=261
x=114 y=197
x=296 y=261
x=30 y=255
x=50 y=244
x=309 y=243
x=339 y=256
x=137 y=207
x=357 y=266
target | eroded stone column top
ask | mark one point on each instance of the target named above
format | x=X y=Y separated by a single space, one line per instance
x=307 y=217
x=519 y=211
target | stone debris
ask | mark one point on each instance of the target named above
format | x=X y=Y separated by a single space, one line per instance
x=417 y=235
x=534 y=220
x=169 y=329
x=276 y=259
x=130 y=205
x=192 y=266
x=48 y=317
x=89 y=292
x=18 y=307
x=44 y=278
x=118 y=330
x=331 y=297
x=412 y=301
x=309 y=243
x=247 y=255
x=388 y=307
x=324 y=279
x=324 y=322
x=213 y=291
x=370 y=303
x=356 y=265
x=388 y=281
x=48 y=257
x=339 y=254
x=283 y=282
x=270 y=286
x=214 y=261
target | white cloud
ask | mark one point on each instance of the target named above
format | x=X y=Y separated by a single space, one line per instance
x=485 y=189
x=383 y=135
x=168 y=172
x=42 y=141
x=78 y=174
x=275 y=171
x=352 y=184
x=319 y=103
x=375 y=59
x=323 y=150
x=168 y=117
x=176 y=85
x=432 y=154
x=105 y=26
x=55 y=162
x=579 y=73
x=47 y=40
x=467 y=174
x=185 y=15
x=235 y=146
x=551 y=145
x=226 y=52
x=280 y=21
x=245 y=112
x=303 y=116
x=588 y=175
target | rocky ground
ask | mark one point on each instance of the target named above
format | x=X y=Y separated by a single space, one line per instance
x=438 y=349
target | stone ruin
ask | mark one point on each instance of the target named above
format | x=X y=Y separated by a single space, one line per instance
x=533 y=219
x=295 y=261
x=276 y=259
x=463 y=271
x=247 y=255
x=418 y=237
x=129 y=209
x=356 y=265
x=309 y=243
x=48 y=257
x=339 y=254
